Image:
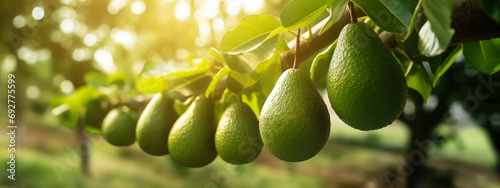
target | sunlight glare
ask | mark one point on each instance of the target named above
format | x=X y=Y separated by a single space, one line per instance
x=19 y=21
x=182 y=10
x=38 y=13
x=126 y=38
x=90 y=39
x=105 y=60
x=252 y=7
x=9 y=63
x=66 y=86
x=138 y=7
x=115 y=5
x=67 y=25
x=218 y=24
x=32 y=92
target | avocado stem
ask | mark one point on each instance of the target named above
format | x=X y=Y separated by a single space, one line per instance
x=296 y=53
x=354 y=18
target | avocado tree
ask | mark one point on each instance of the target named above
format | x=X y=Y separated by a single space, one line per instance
x=418 y=40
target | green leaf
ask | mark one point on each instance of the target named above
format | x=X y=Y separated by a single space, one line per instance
x=483 y=55
x=492 y=8
x=236 y=82
x=211 y=87
x=419 y=80
x=336 y=8
x=93 y=130
x=270 y=74
x=65 y=110
x=381 y=15
x=402 y=10
x=410 y=44
x=321 y=64
x=95 y=79
x=150 y=79
x=435 y=34
x=446 y=64
x=217 y=56
x=246 y=62
x=411 y=29
x=299 y=13
x=249 y=33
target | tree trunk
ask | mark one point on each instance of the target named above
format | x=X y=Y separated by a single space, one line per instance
x=83 y=146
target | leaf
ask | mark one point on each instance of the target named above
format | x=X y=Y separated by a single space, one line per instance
x=321 y=64
x=336 y=8
x=402 y=10
x=381 y=15
x=150 y=79
x=246 y=62
x=236 y=82
x=419 y=80
x=65 y=110
x=95 y=79
x=411 y=29
x=270 y=74
x=483 y=55
x=410 y=44
x=435 y=34
x=211 y=87
x=217 y=56
x=446 y=64
x=492 y=8
x=299 y=13
x=249 y=33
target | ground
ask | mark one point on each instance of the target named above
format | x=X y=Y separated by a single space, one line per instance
x=351 y=158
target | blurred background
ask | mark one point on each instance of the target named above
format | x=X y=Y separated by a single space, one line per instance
x=51 y=45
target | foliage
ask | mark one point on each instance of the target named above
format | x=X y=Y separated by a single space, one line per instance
x=248 y=62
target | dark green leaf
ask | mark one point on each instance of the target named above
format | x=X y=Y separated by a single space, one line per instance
x=299 y=13
x=419 y=80
x=336 y=8
x=249 y=33
x=402 y=10
x=270 y=74
x=435 y=34
x=483 y=55
x=321 y=64
x=492 y=8
x=446 y=64
x=381 y=15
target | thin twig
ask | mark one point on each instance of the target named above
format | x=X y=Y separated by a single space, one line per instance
x=354 y=19
x=297 y=46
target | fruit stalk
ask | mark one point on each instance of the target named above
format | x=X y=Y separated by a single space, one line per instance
x=296 y=53
x=354 y=19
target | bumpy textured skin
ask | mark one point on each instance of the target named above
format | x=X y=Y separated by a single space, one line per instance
x=118 y=127
x=154 y=125
x=366 y=86
x=237 y=139
x=191 y=141
x=295 y=123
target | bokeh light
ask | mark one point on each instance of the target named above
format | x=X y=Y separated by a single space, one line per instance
x=138 y=7
x=105 y=61
x=19 y=21
x=66 y=86
x=182 y=10
x=90 y=39
x=38 y=13
x=32 y=92
x=67 y=25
